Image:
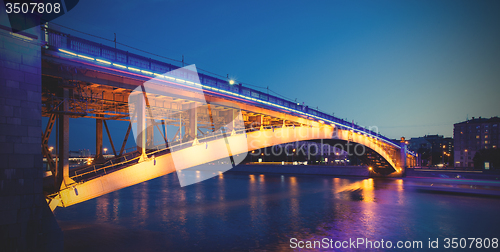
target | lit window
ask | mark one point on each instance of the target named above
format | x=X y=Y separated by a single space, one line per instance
x=477 y=137
x=486 y=142
x=485 y=136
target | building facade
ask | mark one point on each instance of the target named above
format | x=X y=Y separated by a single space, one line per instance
x=472 y=136
x=433 y=150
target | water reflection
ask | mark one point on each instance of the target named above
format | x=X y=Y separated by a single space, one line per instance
x=143 y=210
x=116 y=205
x=248 y=212
x=164 y=199
x=368 y=190
x=102 y=205
x=400 y=190
x=294 y=208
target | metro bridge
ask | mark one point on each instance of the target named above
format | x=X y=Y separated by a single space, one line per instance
x=213 y=119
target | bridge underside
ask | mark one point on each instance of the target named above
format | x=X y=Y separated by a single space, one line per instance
x=368 y=156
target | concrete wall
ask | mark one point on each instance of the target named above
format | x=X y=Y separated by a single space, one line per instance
x=350 y=171
x=26 y=222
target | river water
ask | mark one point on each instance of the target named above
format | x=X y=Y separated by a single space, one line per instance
x=241 y=212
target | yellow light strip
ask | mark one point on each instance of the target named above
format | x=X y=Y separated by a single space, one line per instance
x=20 y=36
x=103 y=61
x=85 y=57
x=117 y=65
x=70 y=53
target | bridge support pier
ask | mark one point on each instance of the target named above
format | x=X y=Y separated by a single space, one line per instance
x=193 y=123
x=27 y=224
x=141 y=128
x=402 y=158
x=261 y=122
x=98 y=140
x=150 y=134
x=233 y=118
x=62 y=173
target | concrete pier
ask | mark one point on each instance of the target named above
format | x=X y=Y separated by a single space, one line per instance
x=26 y=222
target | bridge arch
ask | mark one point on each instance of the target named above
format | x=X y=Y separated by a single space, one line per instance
x=100 y=82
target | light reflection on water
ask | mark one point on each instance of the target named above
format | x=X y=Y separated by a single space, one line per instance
x=242 y=212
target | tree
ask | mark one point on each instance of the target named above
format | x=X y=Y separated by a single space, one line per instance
x=425 y=155
x=487 y=155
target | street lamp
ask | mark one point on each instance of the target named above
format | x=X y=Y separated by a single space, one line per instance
x=51 y=149
x=105 y=150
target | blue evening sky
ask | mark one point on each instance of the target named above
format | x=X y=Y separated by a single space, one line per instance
x=408 y=67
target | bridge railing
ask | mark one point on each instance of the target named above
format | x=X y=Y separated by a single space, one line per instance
x=175 y=146
x=57 y=40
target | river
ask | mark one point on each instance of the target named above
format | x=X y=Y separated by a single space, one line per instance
x=238 y=211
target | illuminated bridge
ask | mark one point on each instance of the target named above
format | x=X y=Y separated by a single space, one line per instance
x=212 y=118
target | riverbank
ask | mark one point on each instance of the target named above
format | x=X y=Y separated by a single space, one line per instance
x=453 y=174
x=455 y=181
x=343 y=171
x=434 y=181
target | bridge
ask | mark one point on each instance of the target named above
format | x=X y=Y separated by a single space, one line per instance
x=213 y=119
